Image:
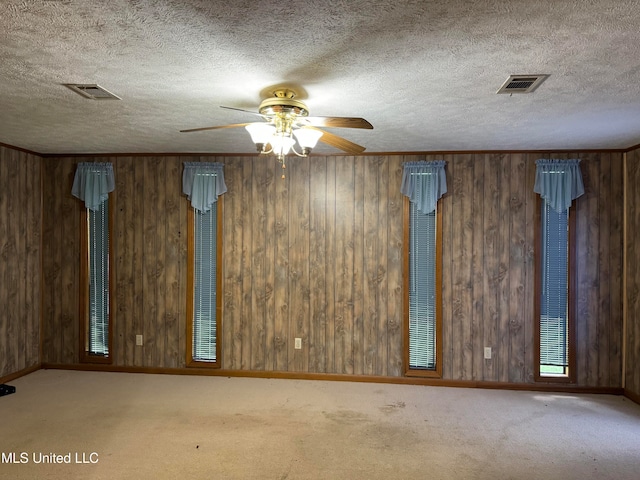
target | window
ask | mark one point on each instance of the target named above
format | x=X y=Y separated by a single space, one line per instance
x=554 y=329
x=203 y=286
x=203 y=183
x=92 y=184
x=423 y=313
x=95 y=289
x=423 y=183
x=558 y=182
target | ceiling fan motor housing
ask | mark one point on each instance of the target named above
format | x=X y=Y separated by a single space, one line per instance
x=283 y=103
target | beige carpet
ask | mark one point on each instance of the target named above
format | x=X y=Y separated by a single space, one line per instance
x=136 y=426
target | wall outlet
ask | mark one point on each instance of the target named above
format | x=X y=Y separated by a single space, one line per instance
x=298 y=343
x=139 y=340
x=487 y=353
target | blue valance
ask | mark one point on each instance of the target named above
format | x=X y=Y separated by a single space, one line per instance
x=424 y=183
x=92 y=183
x=559 y=182
x=203 y=183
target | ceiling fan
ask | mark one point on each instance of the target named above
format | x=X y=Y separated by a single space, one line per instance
x=286 y=120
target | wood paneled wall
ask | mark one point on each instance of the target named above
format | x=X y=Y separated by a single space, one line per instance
x=148 y=257
x=20 y=270
x=489 y=268
x=318 y=255
x=60 y=263
x=632 y=377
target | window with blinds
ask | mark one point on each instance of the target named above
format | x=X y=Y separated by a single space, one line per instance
x=202 y=287
x=423 y=296
x=204 y=343
x=554 y=291
x=97 y=331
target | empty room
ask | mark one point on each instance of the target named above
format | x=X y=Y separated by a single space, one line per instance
x=319 y=240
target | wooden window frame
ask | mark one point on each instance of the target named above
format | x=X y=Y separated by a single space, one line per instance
x=572 y=324
x=414 y=372
x=85 y=356
x=190 y=362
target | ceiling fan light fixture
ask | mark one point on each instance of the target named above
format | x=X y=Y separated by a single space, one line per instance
x=260 y=132
x=307 y=139
x=281 y=144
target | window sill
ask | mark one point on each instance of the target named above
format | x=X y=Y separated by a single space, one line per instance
x=200 y=364
x=415 y=372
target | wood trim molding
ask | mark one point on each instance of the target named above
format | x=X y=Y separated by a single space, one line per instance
x=190 y=285
x=41 y=297
x=625 y=268
x=433 y=382
x=336 y=154
x=20 y=373
x=20 y=149
x=632 y=148
x=538 y=387
x=634 y=397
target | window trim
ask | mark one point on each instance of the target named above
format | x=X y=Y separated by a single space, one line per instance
x=408 y=371
x=85 y=356
x=190 y=362
x=572 y=324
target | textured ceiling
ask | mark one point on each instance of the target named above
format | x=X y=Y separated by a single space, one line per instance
x=424 y=73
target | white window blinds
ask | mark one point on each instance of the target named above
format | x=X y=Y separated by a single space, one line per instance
x=98 y=248
x=422 y=288
x=205 y=288
x=554 y=313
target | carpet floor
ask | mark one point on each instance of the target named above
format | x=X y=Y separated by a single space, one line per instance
x=98 y=425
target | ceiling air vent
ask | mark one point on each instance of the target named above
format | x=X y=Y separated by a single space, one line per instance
x=93 y=91
x=522 y=83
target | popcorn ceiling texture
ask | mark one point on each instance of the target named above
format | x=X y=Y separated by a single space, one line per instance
x=424 y=73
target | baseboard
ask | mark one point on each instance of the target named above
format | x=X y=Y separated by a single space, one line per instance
x=434 y=382
x=21 y=373
x=553 y=387
x=634 y=397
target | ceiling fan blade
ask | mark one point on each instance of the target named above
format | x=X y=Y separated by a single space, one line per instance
x=233 y=125
x=339 y=142
x=242 y=110
x=340 y=122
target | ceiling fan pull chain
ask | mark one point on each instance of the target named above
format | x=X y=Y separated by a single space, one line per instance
x=283 y=167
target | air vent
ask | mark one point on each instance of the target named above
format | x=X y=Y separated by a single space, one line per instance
x=522 y=83
x=93 y=91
